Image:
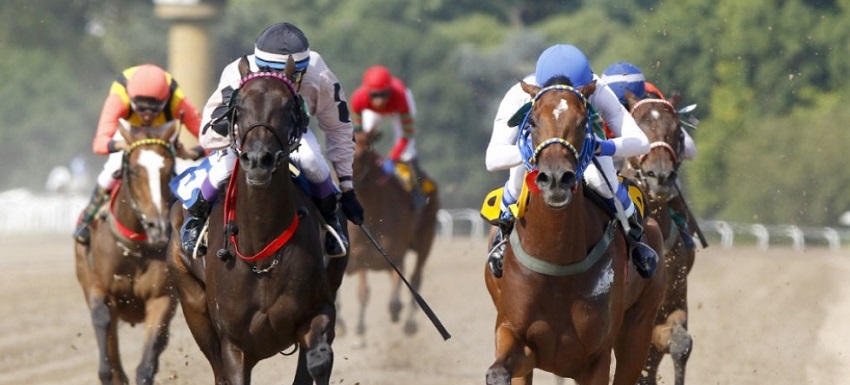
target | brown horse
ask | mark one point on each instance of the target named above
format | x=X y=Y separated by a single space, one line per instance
x=263 y=286
x=397 y=225
x=656 y=172
x=123 y=272
x=568 y=295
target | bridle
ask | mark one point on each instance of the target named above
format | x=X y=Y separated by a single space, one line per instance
x=672 y=152
x=531 y=156
x=286 y=147
x=127 y=181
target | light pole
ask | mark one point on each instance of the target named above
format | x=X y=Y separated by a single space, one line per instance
x=190 y=49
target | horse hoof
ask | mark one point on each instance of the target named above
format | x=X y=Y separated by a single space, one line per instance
x=320 y=360
x=395 y=311
x=410 y=327
x=498 y=376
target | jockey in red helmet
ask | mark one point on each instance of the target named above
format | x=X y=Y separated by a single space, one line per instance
x=382 y=96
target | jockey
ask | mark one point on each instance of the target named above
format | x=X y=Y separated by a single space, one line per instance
x=325 y=100
x=382 y=95
x=144 y=95
x=623 y=76
x=503 y=153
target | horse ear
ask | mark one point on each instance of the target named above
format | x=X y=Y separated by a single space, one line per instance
x=168 y=131
x=126 y=130
x=588 y=89
x=632 y=99
x=675 y=98
x=244 y=66
x=290 y=67
x=530 y=89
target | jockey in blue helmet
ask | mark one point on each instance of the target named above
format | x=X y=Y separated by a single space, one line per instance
x=503 y=154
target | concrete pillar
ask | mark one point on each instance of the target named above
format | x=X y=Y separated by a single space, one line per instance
x=190 y=46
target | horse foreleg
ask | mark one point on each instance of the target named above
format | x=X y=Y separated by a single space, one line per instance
x=633 y=342
x=236 y=367
x=316 y=356
x=681 y=344
x=514 y=359
x=158 y=314
x=363 y=297
x=395 y=296
x=411 y=326
x=105 y=324
x=193 y=301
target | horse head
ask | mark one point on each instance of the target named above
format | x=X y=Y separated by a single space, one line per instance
x=659 y=120
x=148 y=167
x=559 y=129
x=267 y=121
x=365 y=157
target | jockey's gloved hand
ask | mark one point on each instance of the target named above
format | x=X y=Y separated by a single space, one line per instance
x=351 y=207
x=388 y=166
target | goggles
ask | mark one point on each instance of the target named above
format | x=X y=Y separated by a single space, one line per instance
x=142 y=105
x=383 y=94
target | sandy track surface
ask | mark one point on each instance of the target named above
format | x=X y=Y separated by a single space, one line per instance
x=776 y=317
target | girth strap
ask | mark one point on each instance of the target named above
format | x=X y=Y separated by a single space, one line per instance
x=553 y=269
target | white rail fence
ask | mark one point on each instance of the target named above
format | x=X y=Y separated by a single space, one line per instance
x=22 y=212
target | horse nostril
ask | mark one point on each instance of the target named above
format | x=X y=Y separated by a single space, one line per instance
x=267 y=160
x=244 y=158
x=568 y=179
x=542 y=179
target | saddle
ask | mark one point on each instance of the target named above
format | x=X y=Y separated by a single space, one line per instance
x=490 y=210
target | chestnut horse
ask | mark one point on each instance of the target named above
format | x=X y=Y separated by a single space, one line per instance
x=397 y=225
x=122 y=271
x=657 y=173
x=263 y=285
x=568 y=295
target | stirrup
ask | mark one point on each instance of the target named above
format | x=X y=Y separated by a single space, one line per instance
x=644 y=258
x=338 y=238
x=497 y=254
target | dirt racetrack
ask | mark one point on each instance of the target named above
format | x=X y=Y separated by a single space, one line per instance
x=778 y=317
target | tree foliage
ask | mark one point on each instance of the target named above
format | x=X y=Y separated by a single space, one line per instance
x=769 y=78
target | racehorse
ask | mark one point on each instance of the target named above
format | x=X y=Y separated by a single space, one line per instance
x=657 y=172
x=568 y=295
x=122 y=271
x=263 y=285
x=398 y=226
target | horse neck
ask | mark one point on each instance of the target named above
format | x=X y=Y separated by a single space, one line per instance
x=367 y=172
x=122 y=208
x=265 y=210
x=570 y=228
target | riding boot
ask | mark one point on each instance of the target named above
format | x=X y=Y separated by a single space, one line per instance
x=680 y=218
x=497 y=247
x=336 y=245
x=643 y=256
x=416 y=193
x=82 y=233
x=196 y=216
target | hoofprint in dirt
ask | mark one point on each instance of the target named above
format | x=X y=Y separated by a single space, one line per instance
x=777 y=316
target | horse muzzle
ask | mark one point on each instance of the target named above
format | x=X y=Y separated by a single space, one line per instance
x=557 y=187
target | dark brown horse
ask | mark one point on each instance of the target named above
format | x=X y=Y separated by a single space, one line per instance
x=123 y=272
x=396 y=224
x=568 y=295
x=657 y=173
x=263 y=286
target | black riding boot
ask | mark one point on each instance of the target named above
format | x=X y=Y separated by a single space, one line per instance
x=327 y=207
x=82 y=234
x=196 y=216
x=643 y=256
x=497 y=248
